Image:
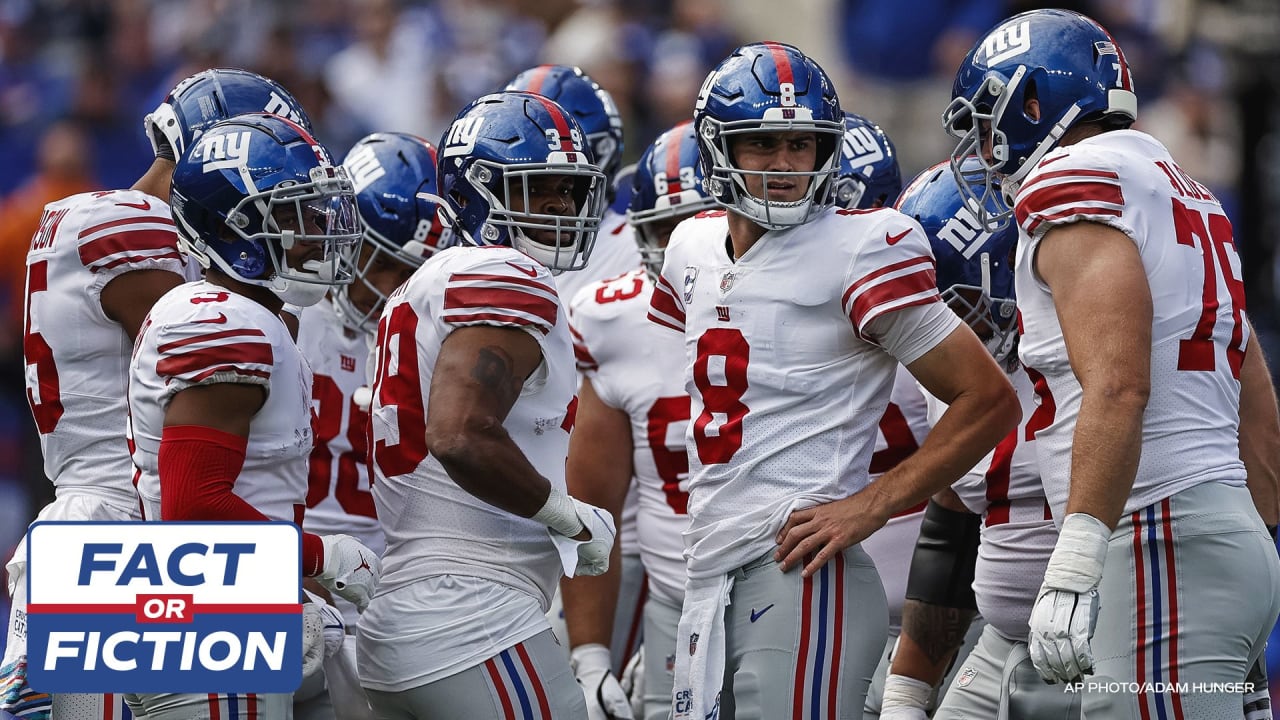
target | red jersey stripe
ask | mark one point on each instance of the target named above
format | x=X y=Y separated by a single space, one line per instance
x=133 y=242
x=493 y=318
x=1080 y=173
x=228 y=356
x=1072 y=193
x=894 y=267
x=141 y=220
x=508 y=279
x=500 y=300
x=899 y=288
x=207 y=337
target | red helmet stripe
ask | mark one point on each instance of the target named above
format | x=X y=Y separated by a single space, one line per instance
x=562 y=123
x=1126 y=79
x=781 y=62
x=537 y=76
x=673 y=164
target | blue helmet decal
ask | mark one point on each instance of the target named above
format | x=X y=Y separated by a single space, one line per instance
x=591 y=105
x=869 y=173
x=667 y=185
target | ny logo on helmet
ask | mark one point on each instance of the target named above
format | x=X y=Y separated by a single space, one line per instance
x=462 y=136
x=363 y=166
x=222 y=150
x=276 y=105
x=1007 y=42
x=964 y=232
x=860 y=147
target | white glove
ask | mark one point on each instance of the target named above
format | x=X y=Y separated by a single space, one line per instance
x=1066 y=608
x=605 y=698
x=565 y=517
x=632 y=682
x=351 y=570
x=312 y=638
x=335 y=628
x=905 y=698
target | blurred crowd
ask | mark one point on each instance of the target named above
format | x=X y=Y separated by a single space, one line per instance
x=76 y=77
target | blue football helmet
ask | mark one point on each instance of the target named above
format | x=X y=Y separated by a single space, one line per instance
x=768 y=87
x=494 y=151
x=975 y=265
x=1067 y=62
x=212 y=95
x=591 y=105
x=666 y=188
x=869 y=174
x=394 y=177
x=253 y=188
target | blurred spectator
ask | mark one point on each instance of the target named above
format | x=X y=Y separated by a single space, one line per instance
x=63 y=159
x=903 y=57
x=696 y=40
x=383 y=80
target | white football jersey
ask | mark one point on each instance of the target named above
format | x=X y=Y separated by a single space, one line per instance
x=615 y=253
x=902 y=429
x=1127 y=180
x=339 y=499
x=638 y=367
x=1018 y=533
x=77 y=359
x=203 y=334
x=432 y=526
x=787 y=385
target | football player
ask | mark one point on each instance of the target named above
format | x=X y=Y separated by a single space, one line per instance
x=97 y=264
x=1163 y=419
x=472 y=408
x=794 y=316
x=219 y=393
x=952 y=575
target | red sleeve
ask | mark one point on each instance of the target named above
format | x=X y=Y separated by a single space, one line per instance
x=198 y=467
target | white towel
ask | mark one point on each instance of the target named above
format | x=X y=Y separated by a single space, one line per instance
x=699 y=672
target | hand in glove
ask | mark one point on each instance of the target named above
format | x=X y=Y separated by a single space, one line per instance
x=632 y=682
x=605 y=698
x=1066 y=607
x=566 y=517
x=351 y=570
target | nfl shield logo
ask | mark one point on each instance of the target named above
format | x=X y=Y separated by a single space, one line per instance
x=726 y=282
x=690 y=277
x=693 y=643
x=966 y=676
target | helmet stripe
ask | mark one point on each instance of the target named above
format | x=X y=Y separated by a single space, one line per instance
x=781 y=62
x=1126 y=78
x=537 y=76
x=673 y=165
x=562 y=123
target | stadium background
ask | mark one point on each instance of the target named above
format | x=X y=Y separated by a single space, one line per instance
x=76 y=77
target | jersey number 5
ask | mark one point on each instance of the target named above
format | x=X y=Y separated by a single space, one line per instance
x=42 y=390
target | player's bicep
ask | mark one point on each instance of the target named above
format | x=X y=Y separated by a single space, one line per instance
x=957 y=365
x=127 y=298
x=600 y=452
x=479 y=374
x=228 y=407
x=1107 y=334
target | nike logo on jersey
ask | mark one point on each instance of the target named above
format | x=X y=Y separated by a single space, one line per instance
x=526 y=270
x=893 y=239
x=756 y=615
x=222 y=318
x=144 y=206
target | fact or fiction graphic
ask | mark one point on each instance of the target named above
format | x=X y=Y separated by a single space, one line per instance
x=164 y=607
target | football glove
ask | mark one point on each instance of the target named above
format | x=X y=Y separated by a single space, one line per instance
x=351 y=570
x=905 y=698
x=1066 y=608
x=605 y=698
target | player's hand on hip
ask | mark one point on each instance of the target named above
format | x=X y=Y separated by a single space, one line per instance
x=593 y=551
x=604 y=695
x=824 y=531
x=351 y=570
x=1066 y=608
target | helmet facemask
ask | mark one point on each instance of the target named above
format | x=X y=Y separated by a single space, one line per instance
x=728 y=183
x=560 y=242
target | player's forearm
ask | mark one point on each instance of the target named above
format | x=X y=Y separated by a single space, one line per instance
x=589 y=603
x=972 y=425
x=1105 y=450
x=484 y=461
x=1260 y=433
x=931 y=635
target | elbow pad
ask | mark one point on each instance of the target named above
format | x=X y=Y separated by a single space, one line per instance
x=946 y=552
